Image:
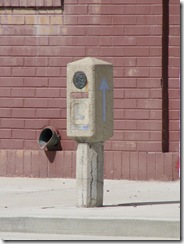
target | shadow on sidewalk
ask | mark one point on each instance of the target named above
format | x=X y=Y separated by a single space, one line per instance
x=135 y=204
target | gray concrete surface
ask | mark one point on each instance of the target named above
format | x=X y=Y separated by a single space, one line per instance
x=46 y=207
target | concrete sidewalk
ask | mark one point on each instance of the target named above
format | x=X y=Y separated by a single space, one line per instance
x=44 y=209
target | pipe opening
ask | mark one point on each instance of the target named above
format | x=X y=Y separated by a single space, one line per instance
x=49 y=138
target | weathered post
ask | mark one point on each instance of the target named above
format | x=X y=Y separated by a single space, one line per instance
x=90 y=122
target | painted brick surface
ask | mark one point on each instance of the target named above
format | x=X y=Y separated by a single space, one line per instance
x=35 y=46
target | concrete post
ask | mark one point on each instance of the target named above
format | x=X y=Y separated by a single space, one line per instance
x=89 y=174
x=90 y=123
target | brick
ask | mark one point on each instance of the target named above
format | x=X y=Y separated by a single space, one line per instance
x=156 y=93
x=36 y=124
x=168 y=172
x=69 y=51
x=156 y=61
x=155 y=114
x=174 y=146
x=56 y=20
x=47 y=92
x=67 y=164
x=11 y=41
x=118 y=136
x=117 y=165
x=58 y=61
x=148 y=40
x=59 y=159
x=7 y=102
x=68 y=145
x=155 y=71
x=138 y=93
x=148 y=83
x=119 y=114
x=11 y=61
x=42 y=30
x=73 y=31
x=156 y=30
x=48 y=113
x=159 y=166
x=174 y=136
x=11 y=144
x=5 y=51
x=12 y=123
x=124 y=145
x=121 y=61
x=136 y=114
x=125 y=169
x=134 y=51
x=27 y=163
x=107 y=146
x=126 y=82
x=125 y=103
x=74 y=165
x=35 y=81
x=57 y=103
x=149 y=146
x=5 y=133
x=35 y=163
x=142 y=169
x=24 y=51
x=5 y=71
x=3 y=162
x=108 y=165
x=155 y=135
x=125 y=19
x=61 y=40
x=23 y=113
x=37 y=20
x=76 y=9
x=149 y=125
x=24 y=92
x=23 y=134
x=60 y=123
x=138 y=9
x=12 y=20
x=151 y=166
x=5 y=112
x=36 y=102
x=48 y=71
x=134 y=165
x=11 y=81
x=48 y=51
x=36 y=41
x=175 y=162
x=124 y=41
x=34 y=62
x=149 y=103
x=155 y=51
x=86 y=41
x=106 y=9
x=136 y=136
x=5 y=92
x=57 y=82
x=125 y=124
x=10 y=168
x=19 y=159
x=23 y=71
x=94 y=20
x=137 y=30
x=149 y=19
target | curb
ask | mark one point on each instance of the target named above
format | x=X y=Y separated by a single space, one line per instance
x=92 y=226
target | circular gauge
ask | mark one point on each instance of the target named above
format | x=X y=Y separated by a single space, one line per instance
x=79 y=79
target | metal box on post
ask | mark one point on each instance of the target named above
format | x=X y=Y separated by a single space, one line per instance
x=90 y=100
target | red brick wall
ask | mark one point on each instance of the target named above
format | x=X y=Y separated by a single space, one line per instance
x=35 y=47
